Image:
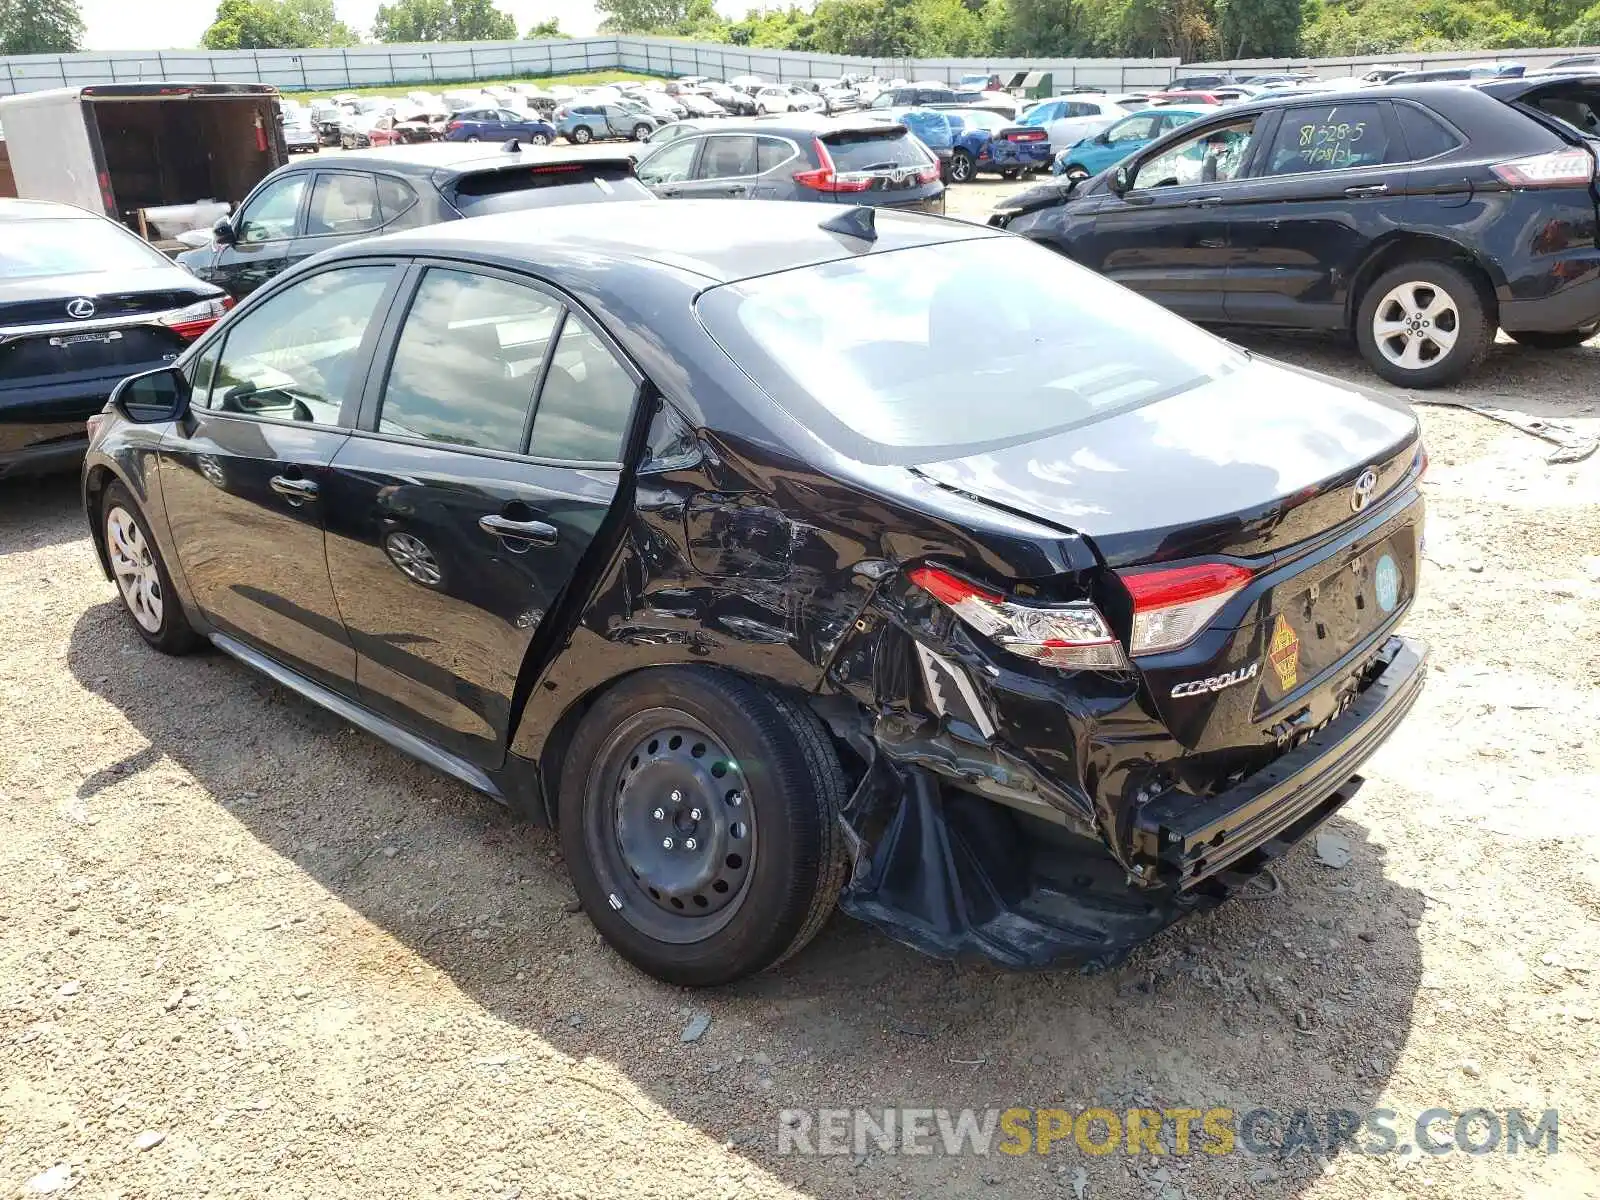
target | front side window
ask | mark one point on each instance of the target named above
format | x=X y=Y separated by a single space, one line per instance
x=271 y=215
x=586 y=402
x=1329 y=137
x=913 y=335
x=883 y=100
x=671 y=164
x=1216 y=155
x=467 y=361
x=293 y=357
x=343 y=204
x=728 y=156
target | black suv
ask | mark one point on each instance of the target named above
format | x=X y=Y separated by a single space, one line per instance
x=799 y=156
x=308 y=206
x=1420 y=217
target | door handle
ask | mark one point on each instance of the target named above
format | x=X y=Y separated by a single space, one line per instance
x=296 y=491
x=1371 y=189
x=737 y=189
x=670 y=191
x=1203 y=201
x=539 y=533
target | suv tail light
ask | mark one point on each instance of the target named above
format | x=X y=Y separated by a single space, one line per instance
x=1559 y=168
x=826 y=179
x=189 y=323
x=1073 y=637
x=1171 y=605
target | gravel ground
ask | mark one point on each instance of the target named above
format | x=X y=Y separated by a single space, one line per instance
x=247 y=950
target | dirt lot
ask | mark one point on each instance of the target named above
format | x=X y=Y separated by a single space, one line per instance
x=302 y=965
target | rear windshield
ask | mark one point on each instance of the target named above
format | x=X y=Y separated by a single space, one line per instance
x=873 y=149
x=484 y=192
x=945 y=351
x=71 y=246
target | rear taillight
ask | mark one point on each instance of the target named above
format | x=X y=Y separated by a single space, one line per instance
x=826 y=179
x=189 y=323
x=1171 y=605
x=1029 y=135
x=1559 y=168
x=929 y=173
x=1073 y=637
x=453 y=126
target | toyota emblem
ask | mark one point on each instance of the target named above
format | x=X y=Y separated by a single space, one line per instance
x=80 y=309
x=1366 y=484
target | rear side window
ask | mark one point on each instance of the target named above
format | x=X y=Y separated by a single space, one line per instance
x=467 y=361
x=586 y=400
x=871 y=149
x=772 y=152
x=728 y=157
x=1330 y=137
x=1425 y=137
x=343 y=204
x=396 y=199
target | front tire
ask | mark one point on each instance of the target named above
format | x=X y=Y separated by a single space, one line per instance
x=1563 y=340
x=962 y=167
x=1423 y=324
x=641 y=132
x=538 y=139
x=702 y=829
x=148 y=598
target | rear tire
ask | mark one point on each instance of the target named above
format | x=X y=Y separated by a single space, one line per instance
x=1564 y=340
x=582 y=135
x=641 y=133
x=149 y=600
x=1423 y=324
x=748 y=787
x=962 y=168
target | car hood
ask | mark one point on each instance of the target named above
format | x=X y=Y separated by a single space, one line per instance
x=1247 y=464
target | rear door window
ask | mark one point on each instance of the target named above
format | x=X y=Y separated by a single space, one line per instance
x=1331 y=137
x=343 y=203
x=467 y=361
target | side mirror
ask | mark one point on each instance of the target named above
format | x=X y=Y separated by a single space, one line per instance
x=223 y=232
x=1103 y=137
x=154 y=397
x=1121 y=180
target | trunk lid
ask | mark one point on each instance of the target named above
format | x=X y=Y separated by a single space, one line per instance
x=1249 y=464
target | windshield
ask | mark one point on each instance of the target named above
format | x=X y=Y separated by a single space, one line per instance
x=945 y=351
x=70 y=246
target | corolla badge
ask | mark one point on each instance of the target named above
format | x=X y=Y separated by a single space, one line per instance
x=1366 y=484
x=1199 y=687
x=80 y=309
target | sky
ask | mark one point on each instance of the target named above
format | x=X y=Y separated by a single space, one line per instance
x=121 y=25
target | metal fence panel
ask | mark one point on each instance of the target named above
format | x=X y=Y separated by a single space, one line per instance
x=453 y=63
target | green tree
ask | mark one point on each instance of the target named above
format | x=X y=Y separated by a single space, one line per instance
x=442 y=21
x=641 y=16
x=547 y=29
x=1342 y=27
x=1585 y=31
x=40 y=27
x=1049 y=28
x=1258 y=28
x=277 y=25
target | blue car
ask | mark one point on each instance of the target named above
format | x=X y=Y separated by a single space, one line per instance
x=968 y=141
x=1091 y=155
x=498 y=125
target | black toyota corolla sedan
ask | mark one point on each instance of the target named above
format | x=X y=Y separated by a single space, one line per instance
x=780 y=559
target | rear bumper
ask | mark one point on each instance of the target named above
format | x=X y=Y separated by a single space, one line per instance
x=46 y=458
x=1181 y=842
x=1572 y=307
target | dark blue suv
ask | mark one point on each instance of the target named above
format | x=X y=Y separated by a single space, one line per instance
x=498 y=125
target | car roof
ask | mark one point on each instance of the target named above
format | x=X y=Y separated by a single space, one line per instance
x=453 y=158
x=41 y=210
x=718 y=241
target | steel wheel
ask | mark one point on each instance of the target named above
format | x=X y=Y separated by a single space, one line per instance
x=675 y=837
x=1415 y=325
x=135 y=569
x=415 y=560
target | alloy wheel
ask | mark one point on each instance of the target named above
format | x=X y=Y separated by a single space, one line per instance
x=135 y=569
x=539 y=139
x=677 y=829
x=960 y=168
x=1415 y=325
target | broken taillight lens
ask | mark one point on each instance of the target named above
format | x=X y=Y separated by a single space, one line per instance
x=1073 y=637
x=1171 y=605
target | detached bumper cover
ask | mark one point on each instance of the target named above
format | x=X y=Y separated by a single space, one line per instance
x=1184 y=840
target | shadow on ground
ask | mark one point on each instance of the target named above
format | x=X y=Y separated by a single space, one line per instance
x=39 y=512
x=1292 y=1001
